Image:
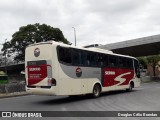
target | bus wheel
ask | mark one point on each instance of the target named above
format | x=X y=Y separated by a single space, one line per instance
x=96 y=91
x=130 y=88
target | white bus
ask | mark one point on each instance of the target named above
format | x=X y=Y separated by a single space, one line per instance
x=54 y=68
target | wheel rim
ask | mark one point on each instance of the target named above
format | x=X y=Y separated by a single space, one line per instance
x=96 y=91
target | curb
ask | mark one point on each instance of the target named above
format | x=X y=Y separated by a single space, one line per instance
x=148 y=80
x=12 y=88
x=15 y=94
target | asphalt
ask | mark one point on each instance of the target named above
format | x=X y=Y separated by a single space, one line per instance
x=16 y=94
x=144 y=98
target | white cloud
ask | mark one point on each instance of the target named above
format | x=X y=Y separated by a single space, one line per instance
x=96 y=21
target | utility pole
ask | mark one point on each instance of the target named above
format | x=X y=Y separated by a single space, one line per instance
x=74 y=34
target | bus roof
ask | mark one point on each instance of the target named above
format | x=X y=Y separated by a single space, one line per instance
x=94 y=49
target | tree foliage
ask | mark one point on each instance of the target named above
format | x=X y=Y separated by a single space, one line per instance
x=152 y=60
x=31 y=34
x=143 y=61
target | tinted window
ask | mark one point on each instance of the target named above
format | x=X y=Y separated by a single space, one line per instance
x=86 y=58
x=78 y=57
x=91 y=59
x=129 y=63
x=113 y=61
x=100 y=59
x=82 y=57
x=106 y=60
x=122 y=62
x=64 y=55
x=87 y=61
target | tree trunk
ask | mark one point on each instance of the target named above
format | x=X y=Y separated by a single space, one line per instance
x=154 y=69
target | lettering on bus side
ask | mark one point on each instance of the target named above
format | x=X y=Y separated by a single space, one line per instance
x=35 y=69
x=109 y=72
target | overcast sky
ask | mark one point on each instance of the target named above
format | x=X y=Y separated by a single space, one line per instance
x=96 y=21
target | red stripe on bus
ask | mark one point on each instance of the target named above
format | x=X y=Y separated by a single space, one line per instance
x=36 y=73
x=117 y=76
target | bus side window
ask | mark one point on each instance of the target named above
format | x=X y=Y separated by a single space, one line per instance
x=93 y=59
x=76 y=57
x=120 y=62
x=64 y=55
x=113 y=60
x=87 y=61
x=82 y=57
x=105 y=58
x=129 y=63
x=101 y=60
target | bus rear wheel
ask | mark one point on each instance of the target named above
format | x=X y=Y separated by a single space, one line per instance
x=130 y=88
x=96 y=91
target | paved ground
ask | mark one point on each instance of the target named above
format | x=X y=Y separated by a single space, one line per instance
x=145 y=98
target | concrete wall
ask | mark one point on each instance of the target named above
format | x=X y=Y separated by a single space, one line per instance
x=150 y=71
x=12 y=87
x=16 y=80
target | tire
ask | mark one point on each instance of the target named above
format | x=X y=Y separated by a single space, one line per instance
x=130 y=88
x=96 y=91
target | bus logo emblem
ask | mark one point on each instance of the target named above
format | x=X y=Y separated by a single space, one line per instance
x=36 y=52
x=78 y=72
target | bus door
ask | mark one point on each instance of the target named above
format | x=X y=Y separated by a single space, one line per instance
x=137 y=69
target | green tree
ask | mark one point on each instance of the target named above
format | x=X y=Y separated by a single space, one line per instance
x=153 y=60
x=28 y=35
x=143 y=61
